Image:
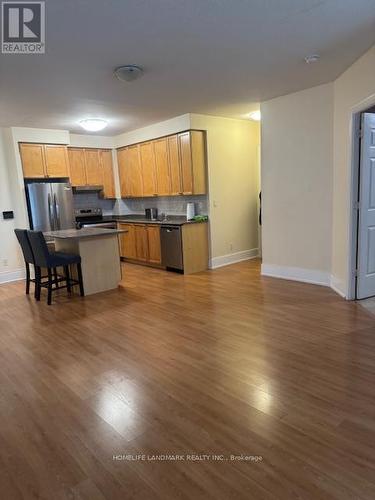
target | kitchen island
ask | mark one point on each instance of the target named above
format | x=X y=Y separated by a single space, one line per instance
x=99 y=251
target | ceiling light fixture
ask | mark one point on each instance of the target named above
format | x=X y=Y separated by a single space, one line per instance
x=313 y=58
x=255 y=115
x=93 y=124
x=128 y=73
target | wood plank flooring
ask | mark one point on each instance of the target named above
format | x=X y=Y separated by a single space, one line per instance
x=220 y=363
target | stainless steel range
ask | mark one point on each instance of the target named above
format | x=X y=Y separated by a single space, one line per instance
x=92 y=217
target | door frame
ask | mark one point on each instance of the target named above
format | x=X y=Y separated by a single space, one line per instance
x=355 y=125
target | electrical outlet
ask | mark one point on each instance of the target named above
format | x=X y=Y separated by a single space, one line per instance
x=5 y=262
x=230 y=246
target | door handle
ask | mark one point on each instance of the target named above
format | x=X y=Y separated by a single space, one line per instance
x=50 y=214
x=57 y=212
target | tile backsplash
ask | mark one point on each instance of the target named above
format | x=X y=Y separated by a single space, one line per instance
x=174 y=205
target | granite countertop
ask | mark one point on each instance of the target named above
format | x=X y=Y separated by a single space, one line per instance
x=86 y=232
x=173 y=220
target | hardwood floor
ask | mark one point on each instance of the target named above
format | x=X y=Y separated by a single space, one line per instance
x=219 y=363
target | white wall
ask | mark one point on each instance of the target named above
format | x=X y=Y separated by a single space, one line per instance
x=233 y=175
x=297 y=149
x=354 y=91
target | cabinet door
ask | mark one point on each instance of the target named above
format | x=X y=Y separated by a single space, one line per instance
x=127 y=241
x=94 y=171
x=163 y=182
x=141 y=242
x=154 y=250
x=198 y=155
x=77 y=166
x=184 y=144
x=57 y=163
x=148 y=168
x=32 y=157
x=135 y=171
x=174 y=165
x=107 y=168
x=124 y=172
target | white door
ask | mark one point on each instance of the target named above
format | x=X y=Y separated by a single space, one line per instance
x=366 y=228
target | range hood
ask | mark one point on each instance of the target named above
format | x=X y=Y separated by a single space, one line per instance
x=87 y=189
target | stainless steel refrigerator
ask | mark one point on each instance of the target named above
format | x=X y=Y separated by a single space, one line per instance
x=50 y=205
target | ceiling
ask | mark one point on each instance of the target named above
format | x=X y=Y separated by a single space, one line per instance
x=217 y=57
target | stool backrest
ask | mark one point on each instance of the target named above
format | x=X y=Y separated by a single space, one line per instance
x=24 y=242
x=39 y=248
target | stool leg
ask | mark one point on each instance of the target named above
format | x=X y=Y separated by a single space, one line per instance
x=27 y=278
x=67 y=277
x=55 y=275
x=49 y=299
x=37 y=283
x=80 y=280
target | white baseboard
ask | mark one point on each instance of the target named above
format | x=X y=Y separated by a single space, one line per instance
x=296 y=274
x=232 y=258
x=338 y=286
x=15 y=275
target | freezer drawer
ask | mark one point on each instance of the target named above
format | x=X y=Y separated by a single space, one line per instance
x=171 y=247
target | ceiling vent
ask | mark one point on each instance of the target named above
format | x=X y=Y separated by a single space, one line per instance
x=128 y=73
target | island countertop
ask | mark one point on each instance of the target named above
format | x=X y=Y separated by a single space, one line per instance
x=86 y=232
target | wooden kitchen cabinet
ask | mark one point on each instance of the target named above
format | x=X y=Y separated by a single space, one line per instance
x=57 y=161
x=44 y=160
x=32 y=157
x=130 y=172
x=147 y=156
x=107 y=169
x=192 y=157
x=94 y=171
x=174 y=165
x=77 y=166
x=162 y=168
x=141 y=242
x=127 y=241
x=154 y=247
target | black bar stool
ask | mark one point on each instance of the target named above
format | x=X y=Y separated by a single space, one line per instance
x=43 y=258
x=28 y=256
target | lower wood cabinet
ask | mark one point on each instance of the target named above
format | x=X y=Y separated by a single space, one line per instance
x=141 y=243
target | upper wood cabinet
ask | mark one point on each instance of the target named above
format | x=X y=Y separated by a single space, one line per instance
x=130 y=172
x=77 y=166
x=146 y=150
x=192 y=157
x=32 y=157
x=94 y=170
x=173 y=165
x=44 y=160
x=108 y=180
x=92 y=167
x=162 y=170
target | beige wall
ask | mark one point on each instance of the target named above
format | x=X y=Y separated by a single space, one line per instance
x=354 y=91
x=297 y=148
x=233 y=174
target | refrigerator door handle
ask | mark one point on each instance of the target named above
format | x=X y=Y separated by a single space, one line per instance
x=50 y=213
x=57 y=212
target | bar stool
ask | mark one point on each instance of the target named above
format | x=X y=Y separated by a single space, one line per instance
x=28 y=257
x=43 y=258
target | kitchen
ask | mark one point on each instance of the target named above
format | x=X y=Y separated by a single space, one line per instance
x=168 y=173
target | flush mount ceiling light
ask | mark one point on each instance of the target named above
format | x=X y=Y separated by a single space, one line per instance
x=128 y=73
x=313 y=58
x=255 y=115
x=93 y=124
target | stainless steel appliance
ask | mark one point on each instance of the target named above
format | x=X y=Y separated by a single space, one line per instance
x=171 y=247
x=50 y=204
x=151 y=213
x=92 y=217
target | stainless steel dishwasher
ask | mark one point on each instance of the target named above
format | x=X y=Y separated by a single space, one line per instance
x=171 y=247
